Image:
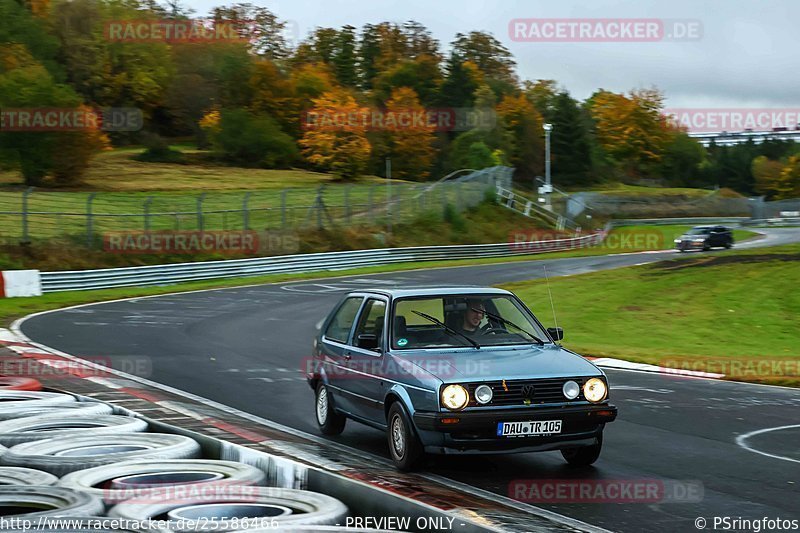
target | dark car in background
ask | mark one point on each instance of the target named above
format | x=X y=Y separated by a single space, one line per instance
x=705 y=238
x=451 y=371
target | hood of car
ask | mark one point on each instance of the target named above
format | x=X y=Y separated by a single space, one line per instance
x=549 y=361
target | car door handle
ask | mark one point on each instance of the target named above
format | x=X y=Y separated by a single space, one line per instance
x=347 y=356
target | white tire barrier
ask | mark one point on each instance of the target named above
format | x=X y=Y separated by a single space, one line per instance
x=69 y=454
x=116 y=483
x=63 y=409
x=13 y=475
x=13 y=432
x=37 y=501
x=13 y=400
x=263 y=508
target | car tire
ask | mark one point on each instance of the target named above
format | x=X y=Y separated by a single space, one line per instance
x=13 y=475
x=329 y=421
x=307 y=508
x=49 y=501
x=728 y=245
x=404 y=446
x=583 y=455
x=13 y=432
x=65 y=409
x=42 y=454
x=100 y=480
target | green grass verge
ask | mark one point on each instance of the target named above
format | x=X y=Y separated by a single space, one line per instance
x=724 y=312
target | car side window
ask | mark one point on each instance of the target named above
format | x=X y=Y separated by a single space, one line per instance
x=372 y=319
x=339 y=328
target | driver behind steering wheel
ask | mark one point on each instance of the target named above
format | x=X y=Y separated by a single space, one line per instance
x=473 y=316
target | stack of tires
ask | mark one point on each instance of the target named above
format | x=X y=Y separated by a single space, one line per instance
x=78 y=460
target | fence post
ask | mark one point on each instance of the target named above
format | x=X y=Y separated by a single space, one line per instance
x=246 y=211
x=370 y=203
x=200 y=211
x=89 y=219
x=283 y=208
x=348 y=213
x=146 y=207
x=318 y=204
x=25 y=230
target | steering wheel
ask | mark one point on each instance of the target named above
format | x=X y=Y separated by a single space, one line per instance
x=489 y=329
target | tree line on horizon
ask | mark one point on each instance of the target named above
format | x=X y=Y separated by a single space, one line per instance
x=246 y=100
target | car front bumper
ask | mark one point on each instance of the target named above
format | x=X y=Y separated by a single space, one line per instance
x=690 y=245
x=476 y=431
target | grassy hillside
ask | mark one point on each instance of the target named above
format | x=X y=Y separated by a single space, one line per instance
x=723 y=312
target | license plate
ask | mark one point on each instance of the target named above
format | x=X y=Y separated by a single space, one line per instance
x=528 y=429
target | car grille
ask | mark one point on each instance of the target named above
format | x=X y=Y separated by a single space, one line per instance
x=544 y=391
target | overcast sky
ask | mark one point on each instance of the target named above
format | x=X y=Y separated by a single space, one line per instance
x=748 y=55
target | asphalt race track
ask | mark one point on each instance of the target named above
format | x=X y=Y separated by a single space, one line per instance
x=244 y=347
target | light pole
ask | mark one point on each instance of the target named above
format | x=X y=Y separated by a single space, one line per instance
x=547 y=186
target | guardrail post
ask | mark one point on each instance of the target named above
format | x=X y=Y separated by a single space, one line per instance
x=283 y=208
x=146 y=207
x=26 y=238
x=246 y=211
x=89 y=219
x=200 y=211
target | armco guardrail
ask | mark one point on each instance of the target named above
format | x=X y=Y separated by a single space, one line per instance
x=74 y=280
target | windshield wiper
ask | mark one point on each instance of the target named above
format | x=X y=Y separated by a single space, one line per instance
x=509 y=323
x=447 y=328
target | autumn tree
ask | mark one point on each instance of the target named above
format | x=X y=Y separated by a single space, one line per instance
x=334 y=142
x=525 y=126
x=630 y=129
x=62 y=156
x=410 y=145
x=491 y=57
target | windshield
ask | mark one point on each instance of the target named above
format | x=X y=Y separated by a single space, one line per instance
x=473 y=321
x=699 y=231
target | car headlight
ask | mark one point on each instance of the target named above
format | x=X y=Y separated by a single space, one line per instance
x=571 y=390
x=484 y=394
x=455 y=397
x=595 y=390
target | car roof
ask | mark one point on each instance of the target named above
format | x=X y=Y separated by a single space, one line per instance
x=405 y=292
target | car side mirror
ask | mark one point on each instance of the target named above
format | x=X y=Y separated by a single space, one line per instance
x=368 y=341
x=556 y=333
